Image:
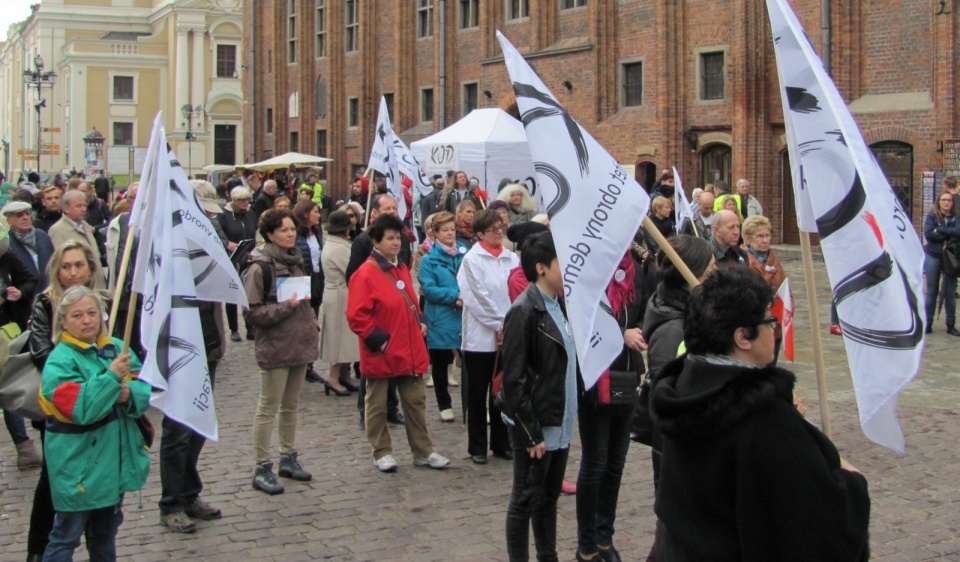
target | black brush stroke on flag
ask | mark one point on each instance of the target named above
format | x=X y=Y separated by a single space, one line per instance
x=801 y=100
x=563 y=187
x=555 y=109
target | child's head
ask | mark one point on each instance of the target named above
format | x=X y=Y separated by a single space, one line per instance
x=428 y=227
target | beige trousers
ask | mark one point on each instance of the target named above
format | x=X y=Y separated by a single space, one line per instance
x=414 y=404
x=279 y=394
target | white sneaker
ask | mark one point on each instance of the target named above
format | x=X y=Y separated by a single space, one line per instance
x=447 y=415
x=429 y=381
x=452 y=381
x=435 y=460
x=386 y=463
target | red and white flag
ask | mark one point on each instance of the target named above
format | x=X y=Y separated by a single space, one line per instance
x=782 y=310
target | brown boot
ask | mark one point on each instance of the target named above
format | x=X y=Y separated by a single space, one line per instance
x=27 y=456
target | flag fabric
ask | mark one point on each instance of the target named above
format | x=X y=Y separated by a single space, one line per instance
x=383 y=157
x=409 y=166
x=782 y=310
x=849 y=203
x=175 y=237
x=595 y=210
x=681 y=205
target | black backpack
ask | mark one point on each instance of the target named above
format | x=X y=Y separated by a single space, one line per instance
x=267 y=268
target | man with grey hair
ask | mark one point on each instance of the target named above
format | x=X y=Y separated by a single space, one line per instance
x=73 y=225
x=749 y=206
x=264 y=199
x=726 y=237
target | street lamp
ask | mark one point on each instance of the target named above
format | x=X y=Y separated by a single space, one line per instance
x=188 y=111
x=39 y=79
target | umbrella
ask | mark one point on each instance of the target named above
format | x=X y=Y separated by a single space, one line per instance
x=285 y=160
x=214 y=168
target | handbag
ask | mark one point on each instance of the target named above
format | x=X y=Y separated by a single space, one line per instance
x=20 y=381
x=951 y=259
x=618 y=388
x=641 y=429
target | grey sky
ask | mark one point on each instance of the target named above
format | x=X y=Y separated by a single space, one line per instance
x=12 y=12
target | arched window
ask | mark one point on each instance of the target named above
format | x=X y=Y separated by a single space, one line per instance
x=896 y=160
x=321 y=98
x=715 y=163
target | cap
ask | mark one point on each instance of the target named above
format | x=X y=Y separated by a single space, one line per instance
x=15 y=207
x=207 y=194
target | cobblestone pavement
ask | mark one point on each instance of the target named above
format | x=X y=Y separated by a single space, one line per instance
x=351 y=512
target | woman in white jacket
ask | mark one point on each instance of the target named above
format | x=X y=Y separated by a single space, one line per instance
x=483 y=287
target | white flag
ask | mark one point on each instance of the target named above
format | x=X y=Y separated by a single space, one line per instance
x=682 y=206
x=383 y=158
x=180 y=261
x=410 y=167
x=877 y=288
x=595 y=209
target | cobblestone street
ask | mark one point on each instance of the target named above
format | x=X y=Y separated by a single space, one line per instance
x=352 y=512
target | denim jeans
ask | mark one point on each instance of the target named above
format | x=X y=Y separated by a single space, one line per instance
x=533 y=502
x=98 y=525
x=440 y=360
x=605 y=440
x=933 y=270
x=16 y=427
x=180 y=448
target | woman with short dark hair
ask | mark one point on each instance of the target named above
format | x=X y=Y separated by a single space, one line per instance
x=744 y=475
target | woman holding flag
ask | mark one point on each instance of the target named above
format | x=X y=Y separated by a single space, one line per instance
x=757 y=233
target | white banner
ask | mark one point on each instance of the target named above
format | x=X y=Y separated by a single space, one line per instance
x=877 y=288
x=409 y=166
x=595 y=210
x=681 y=205
x=383 y=158
x=177 y=237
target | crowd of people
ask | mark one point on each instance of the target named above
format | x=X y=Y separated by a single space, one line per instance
x=470 y=279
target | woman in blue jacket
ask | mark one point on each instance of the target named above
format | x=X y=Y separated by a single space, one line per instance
x=443 y=306
x=940 y=227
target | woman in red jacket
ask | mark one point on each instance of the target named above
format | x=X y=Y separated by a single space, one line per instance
x=382 y=310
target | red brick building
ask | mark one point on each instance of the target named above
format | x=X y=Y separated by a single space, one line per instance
x=691 y=83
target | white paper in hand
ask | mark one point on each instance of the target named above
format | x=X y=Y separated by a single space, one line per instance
x=289 y=286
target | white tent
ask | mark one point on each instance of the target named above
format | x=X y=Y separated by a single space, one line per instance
x=487 y=143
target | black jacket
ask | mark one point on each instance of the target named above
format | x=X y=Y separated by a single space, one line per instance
x=732 y=256
x=744 y=477
x=666 y=228
x=534 y=367
x=13 y=273
x=262 y=202
x=41 y=328
x=98 y=214
x=361 y=249
x=663 y=326
x=238 y=226
x=44 y=219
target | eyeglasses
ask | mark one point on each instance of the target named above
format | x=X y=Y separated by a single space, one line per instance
x=761 y=236
x=351 y=215
x=772 y=321
x=494 y=229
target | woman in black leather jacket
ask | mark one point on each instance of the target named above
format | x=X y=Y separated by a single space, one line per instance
x=539 y=400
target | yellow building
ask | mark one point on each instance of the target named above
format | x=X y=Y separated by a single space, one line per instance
x=117 y=63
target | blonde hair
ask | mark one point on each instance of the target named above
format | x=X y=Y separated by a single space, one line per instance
x=56 y=290
x=755 y=224
x=72 y=296
x=464 y=204
x=439 y=219
x=659 y=202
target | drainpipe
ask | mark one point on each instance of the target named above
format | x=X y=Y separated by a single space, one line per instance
x=443 y=63
x=825 y=45
x=253 y=81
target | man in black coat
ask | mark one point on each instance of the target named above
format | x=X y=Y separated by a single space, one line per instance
x=30 y=245
x=102 y=186
x=50 y=213
x=264 y=198
x=726 y=239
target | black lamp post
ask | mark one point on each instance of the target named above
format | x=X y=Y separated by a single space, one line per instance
x=188 y=111
x=39 y=79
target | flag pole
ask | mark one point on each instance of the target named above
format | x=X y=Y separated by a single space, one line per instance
x=121 y=277
x=366 y=218
x=810 y=284
x=671 y=253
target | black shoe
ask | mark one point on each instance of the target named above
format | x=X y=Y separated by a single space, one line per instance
x=312 y=376
x=609 y=554
x=505 y=455
x=328 y=388
x=348 y=386
x=928 y=330
x=235 y=336
x=250 y=336
x=363 y=425
x=953 y=331
x=594 y=558
x=34 y=558
x=290 y=467
x=479 y=459
x=396 y=418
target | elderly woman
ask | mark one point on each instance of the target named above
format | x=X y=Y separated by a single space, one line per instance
x=338 y=345
x=382 y=310
x=466 y=210
x=777 y=489
x=95 y=452
x=521 y=206
x=483 y=286
x=283 y=367
x=757 y=233
x=239 y=223
x=443 y=306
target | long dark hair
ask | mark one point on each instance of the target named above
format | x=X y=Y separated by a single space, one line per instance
x=301 y=215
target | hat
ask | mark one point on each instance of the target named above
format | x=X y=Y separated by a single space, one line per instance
x=338 y=222
x=207 y=194
x=519 y=232
x=15 y=207
x=498 y=204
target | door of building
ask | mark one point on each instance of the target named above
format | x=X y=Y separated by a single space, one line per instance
x=225 y=144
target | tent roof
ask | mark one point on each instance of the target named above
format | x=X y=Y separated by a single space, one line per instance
x=481 y=126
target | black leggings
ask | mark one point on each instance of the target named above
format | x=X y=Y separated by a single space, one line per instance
x=533 y=502
x=440 y=360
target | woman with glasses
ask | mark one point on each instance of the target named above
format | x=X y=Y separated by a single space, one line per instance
x=744 y=476
x=757 y=233
x=355 y=213
x=483 y=287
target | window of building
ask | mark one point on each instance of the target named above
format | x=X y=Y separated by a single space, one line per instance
x=226 y=61
x=896 y=160
x=711 y=76
x=294 y=142
x=122 y=133
x=269 y=120
x=388 y=98
x=352 y=22
x=424 y=18
x=123 y=88
x=470 y=98
x=320 y=92
x=632 y=77
x=426 y=104
x=320 y=29
x=225 y=144
x=353 y=112
x=321 y=142
x=715 y=162
x=517 y=9
x=469 y=14
x=292 y=31
x=568 y=4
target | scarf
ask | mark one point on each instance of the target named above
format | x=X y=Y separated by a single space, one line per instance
x=29 y=239
x=291 y=258
x=465 y=230
x=622 y=293
x=450 y=250
x=495 y=252
x=761 y=256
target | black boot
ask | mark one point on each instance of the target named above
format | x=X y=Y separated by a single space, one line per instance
x=312 y=375
x=290 y=468
x=264 y=479
x=952 y=331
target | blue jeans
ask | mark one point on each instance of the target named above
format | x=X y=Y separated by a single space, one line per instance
x=98 y=525
x=16 y=427
x=605 y=440
x=933 y=269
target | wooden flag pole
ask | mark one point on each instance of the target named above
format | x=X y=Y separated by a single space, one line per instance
x=366 y=218
x=671 y=253
x=821 y=371
x=121 y=277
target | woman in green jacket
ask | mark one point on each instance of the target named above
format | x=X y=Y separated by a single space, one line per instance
x=94 y=449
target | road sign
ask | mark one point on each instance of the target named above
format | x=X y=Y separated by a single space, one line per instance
x=27 y=152
x=50 y=146
x=51 y=129
x=29 y=157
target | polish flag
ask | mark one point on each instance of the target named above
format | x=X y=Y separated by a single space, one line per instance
x=782 y=310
